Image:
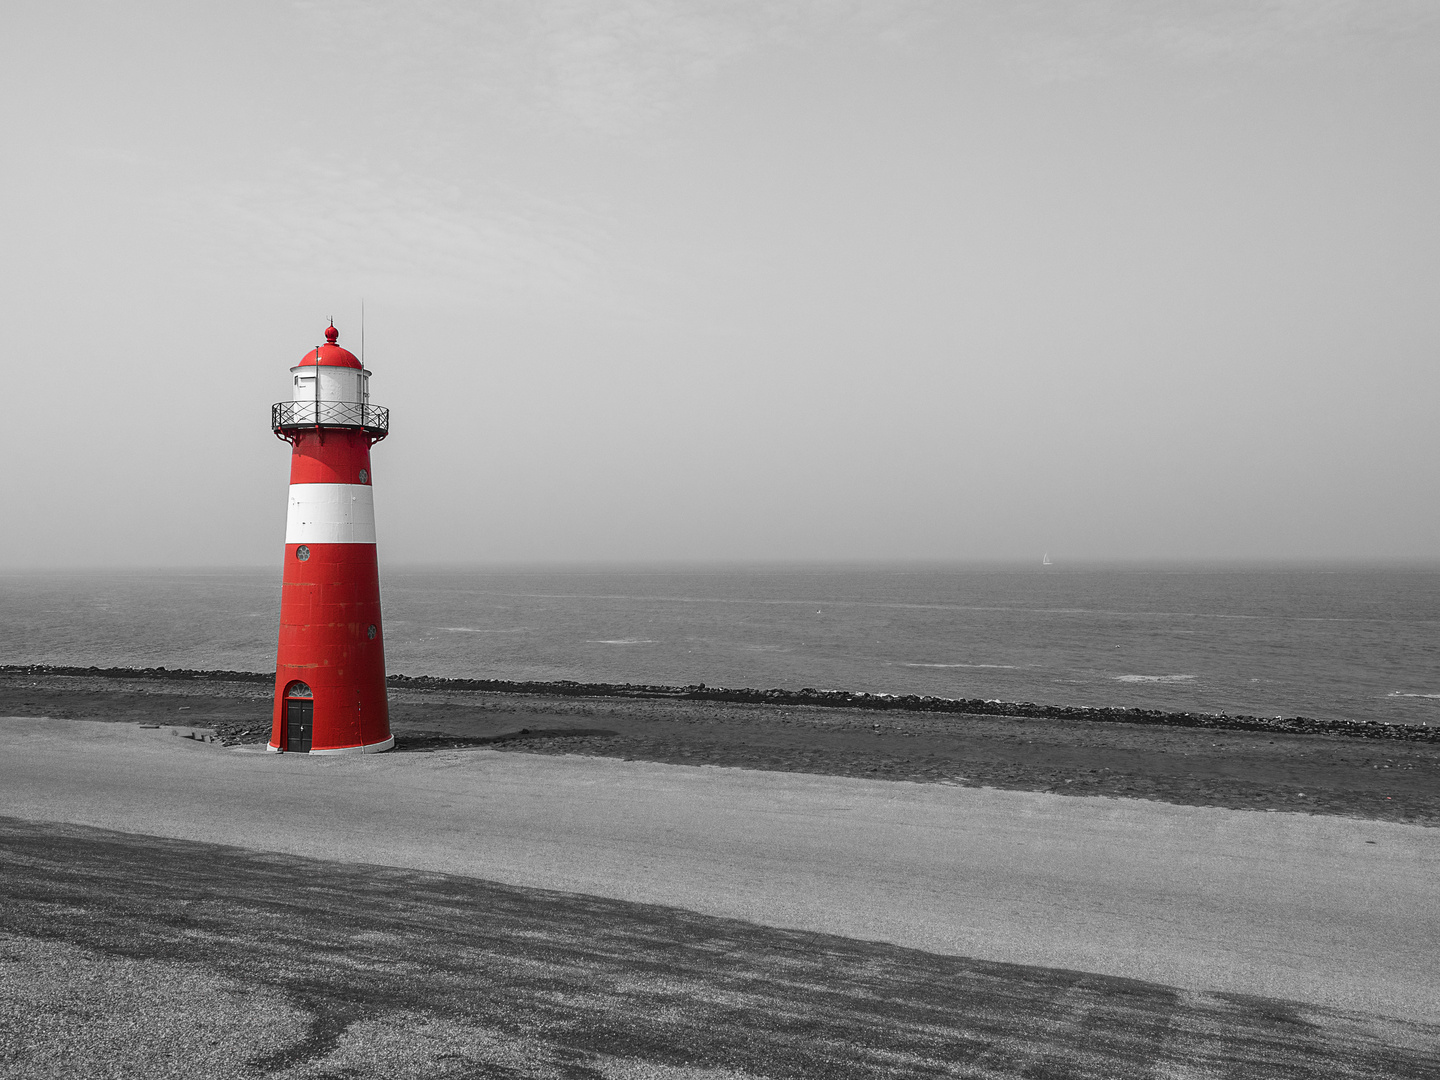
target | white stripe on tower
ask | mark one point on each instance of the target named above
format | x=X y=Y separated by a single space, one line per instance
x=331 y=514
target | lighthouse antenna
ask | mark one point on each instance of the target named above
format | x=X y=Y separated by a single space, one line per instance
x=362 y=331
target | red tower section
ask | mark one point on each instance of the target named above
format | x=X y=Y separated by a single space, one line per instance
x=330 y=665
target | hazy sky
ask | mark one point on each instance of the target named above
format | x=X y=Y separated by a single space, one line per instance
x=678 y=280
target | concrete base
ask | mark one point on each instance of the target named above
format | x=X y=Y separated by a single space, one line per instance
x=372 y=748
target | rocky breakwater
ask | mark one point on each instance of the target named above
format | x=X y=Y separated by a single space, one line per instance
x=806 y=696
x=924 y=703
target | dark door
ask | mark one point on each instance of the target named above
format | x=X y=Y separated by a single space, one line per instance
x=299 y=723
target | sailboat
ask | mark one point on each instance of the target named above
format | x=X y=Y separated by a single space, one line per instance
x=1046 y=560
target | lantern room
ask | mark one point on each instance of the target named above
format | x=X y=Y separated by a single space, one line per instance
x=329 y=374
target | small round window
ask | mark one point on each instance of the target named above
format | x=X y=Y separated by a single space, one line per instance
x=371 y=632
x=364 y=477
x=302 y=553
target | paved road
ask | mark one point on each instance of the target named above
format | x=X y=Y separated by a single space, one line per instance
x=1284 y=905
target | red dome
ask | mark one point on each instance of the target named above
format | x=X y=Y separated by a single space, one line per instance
x=330 y=354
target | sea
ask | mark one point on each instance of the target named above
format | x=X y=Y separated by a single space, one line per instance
x=1359 y=643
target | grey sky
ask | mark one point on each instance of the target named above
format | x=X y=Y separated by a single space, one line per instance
x=718 y=280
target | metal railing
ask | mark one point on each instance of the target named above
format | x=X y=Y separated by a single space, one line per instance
x=285 y=415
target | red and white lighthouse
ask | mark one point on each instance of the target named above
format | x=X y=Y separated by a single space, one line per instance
x=330 y=666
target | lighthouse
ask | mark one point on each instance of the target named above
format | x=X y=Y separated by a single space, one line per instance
x=330 y=664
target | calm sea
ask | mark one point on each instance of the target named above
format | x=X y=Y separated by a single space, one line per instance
x=1349 y=643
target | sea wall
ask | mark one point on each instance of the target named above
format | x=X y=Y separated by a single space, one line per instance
x=831 y=699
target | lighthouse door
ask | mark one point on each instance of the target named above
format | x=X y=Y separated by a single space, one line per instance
x=299 y=725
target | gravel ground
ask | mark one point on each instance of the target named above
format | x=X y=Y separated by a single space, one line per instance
x=132 y=956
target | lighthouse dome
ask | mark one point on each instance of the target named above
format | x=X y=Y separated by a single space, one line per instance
x=331 y=374
x=330 y=354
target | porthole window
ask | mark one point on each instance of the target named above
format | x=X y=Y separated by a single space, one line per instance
x=364 y=477
x=302 y=553
x=371 y=632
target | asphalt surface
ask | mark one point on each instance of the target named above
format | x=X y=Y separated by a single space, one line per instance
x=131 y=956
x=1322 y=910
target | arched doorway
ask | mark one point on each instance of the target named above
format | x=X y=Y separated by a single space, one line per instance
x=299 y=717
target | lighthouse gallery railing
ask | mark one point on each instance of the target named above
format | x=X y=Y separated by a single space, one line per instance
x=301 y=414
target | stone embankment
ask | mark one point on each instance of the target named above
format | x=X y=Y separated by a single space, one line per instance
x=46 y=670
x=834 y=699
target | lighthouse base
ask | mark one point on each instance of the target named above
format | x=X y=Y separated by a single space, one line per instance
x=371 y=748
